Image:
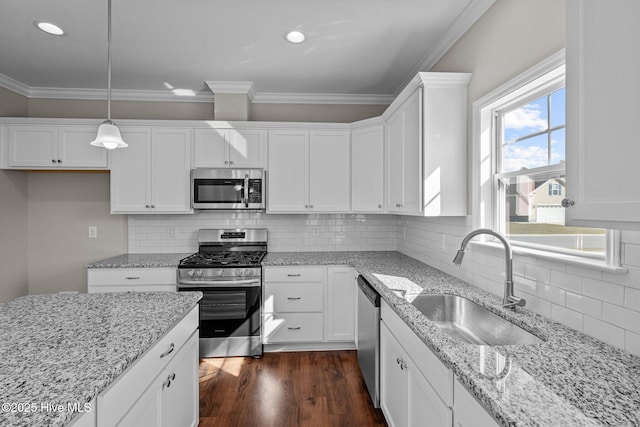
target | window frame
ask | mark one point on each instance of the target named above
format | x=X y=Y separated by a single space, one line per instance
x=486 y=212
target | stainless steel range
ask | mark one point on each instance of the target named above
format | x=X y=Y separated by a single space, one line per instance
x=227 y=270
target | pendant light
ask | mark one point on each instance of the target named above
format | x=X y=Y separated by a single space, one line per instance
x=108 y=133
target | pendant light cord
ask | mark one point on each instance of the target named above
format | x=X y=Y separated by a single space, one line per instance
x=109 y=60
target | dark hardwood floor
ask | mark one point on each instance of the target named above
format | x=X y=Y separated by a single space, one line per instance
x=286 y=389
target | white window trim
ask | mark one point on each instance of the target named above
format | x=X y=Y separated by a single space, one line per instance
x=484 y=164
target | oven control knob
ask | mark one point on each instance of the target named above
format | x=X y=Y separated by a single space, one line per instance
x=191 y=273
x=219 y=272
x=199 y=273
x=247 y=272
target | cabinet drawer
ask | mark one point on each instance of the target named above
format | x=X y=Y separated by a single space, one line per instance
x=131 y=276
x=438 y=375
x=294 y=274
x=115 y=401
x=292 y=327
x=293 y=297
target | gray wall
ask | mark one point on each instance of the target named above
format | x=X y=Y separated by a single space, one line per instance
x=13 y=214
x=62 y=206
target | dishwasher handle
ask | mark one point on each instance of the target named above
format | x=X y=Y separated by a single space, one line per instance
x=368 y=291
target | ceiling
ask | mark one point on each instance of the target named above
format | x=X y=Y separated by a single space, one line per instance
x=356 y=50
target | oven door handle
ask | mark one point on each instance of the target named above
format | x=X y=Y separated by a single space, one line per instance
x=251 y=283
x=246 y=190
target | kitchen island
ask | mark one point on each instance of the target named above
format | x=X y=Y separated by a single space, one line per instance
x=58 y=353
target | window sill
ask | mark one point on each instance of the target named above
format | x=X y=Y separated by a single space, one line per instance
x=564 y=258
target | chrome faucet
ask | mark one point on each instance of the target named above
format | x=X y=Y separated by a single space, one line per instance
x=509 y=300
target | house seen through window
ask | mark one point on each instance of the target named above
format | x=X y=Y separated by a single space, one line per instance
x=531 y=179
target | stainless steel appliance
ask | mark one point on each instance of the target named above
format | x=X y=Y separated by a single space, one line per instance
x=369 y=338
x=228 y=189
x=227 y=270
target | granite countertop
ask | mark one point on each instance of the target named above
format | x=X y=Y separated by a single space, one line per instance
x=570 y=379
x=65 y=349
x=140 y=261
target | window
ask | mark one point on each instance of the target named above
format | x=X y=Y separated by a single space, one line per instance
x=521 y=151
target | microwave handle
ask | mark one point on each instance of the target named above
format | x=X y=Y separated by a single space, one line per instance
x=246 y=190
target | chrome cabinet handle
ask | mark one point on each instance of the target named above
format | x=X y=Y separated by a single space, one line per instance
x=294 y=275
x=167 y=382
x=132 y=277
x=567 y=203
x=294 y=328
x=168 y=352
x=293 y=298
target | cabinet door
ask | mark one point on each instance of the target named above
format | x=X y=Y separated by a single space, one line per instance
x=329 y=171
x=33 y=146
x=603 y=88
x=247 y=148
x=179 y=400
x=424 y=403
x=288 y=176
x=75 y=150
x=412 y=153
x=393 y=379
x=367 y=169
x=130 y=172
x=467 y=412
x=170 y=169
x=341 y=304
x=394 y=163
x=210 y=148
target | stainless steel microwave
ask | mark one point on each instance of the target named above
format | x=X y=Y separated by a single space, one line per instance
x=228 y=189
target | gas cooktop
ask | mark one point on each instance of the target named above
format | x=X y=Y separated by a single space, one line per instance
x=223 y=259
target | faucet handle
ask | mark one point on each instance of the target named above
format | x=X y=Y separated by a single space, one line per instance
x=514 y=301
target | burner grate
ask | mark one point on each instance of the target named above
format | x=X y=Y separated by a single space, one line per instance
x=223 y=258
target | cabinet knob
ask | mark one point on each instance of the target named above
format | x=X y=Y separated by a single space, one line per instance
x=311 y=206
x=59 y=161
x=379 y=206
x=226 y=162
x=53 y=160
x=231 y=162
x=306 y=206
x=147 y=206
x=567 y=203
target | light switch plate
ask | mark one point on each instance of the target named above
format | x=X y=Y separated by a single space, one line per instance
x=93 y=232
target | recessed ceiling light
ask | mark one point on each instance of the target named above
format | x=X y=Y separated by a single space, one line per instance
x=49 y=28
x=294 y=36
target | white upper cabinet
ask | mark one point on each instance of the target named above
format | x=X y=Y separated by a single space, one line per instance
x=603 y=88
x=367 y=168
x=229 y=148
x=288 y=175
x=329 y=167
x=426 y=156
x=152 y=174
x=308 y=171
x=53 y=147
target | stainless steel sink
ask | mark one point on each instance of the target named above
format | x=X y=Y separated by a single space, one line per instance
x=469 y=322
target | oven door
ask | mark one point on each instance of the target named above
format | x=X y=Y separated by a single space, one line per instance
x=228 y=310
x=241 y=189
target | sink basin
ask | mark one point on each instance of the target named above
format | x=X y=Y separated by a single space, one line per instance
x=469 y=322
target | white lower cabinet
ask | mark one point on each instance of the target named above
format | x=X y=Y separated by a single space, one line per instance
x=131 y=279
x=312 y=306
x=467 y=412
x=416 y=389
x=161 y=388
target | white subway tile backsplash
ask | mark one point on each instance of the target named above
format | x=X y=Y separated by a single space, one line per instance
x=622 y=317
x=567 y=317
x=538 y=273
x=552 y=294
x=604 y=331
x=632 y=254
x=586 y=305
x=632 y=298
x=566 y=281
x=632 y=343
x=604 y=291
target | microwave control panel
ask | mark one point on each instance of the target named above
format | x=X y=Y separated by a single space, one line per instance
x=255 y=191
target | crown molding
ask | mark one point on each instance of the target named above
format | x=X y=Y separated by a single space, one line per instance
x=320 y=98
x=469 y=16
x=246 y=88
x=14 y=85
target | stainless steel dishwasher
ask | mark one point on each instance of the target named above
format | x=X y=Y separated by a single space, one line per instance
x=369 y=338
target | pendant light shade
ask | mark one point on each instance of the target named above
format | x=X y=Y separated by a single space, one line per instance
x=109 y=136
x=108 y=133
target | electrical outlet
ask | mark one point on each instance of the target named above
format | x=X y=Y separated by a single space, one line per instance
x=173 y=232
x=93 y=232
